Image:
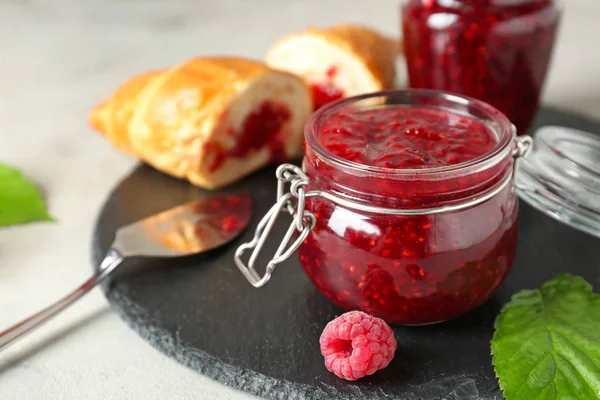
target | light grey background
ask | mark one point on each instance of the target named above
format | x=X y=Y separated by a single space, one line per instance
x=57 y=59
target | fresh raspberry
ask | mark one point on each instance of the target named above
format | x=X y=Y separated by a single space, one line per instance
x=356 y=344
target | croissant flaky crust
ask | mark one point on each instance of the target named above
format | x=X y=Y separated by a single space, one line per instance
x=210 y=120
x=355 y=59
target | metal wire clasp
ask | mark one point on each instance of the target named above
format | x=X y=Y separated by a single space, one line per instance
x=523 y=145
x=522 y=148
x=303 y=221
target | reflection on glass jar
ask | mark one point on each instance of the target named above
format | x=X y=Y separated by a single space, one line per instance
x=497 y=51
x=427 y=226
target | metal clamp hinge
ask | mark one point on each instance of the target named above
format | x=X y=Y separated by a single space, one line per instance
x=523 y=145
x=303 y=221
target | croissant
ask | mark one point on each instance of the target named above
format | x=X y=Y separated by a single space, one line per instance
x=210 y=120
x=338 y=62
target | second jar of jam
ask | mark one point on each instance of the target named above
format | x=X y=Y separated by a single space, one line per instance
x=404 y=208
x=497 y=51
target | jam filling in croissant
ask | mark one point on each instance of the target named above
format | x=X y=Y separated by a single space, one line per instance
x=260 y=128
x=325 y=92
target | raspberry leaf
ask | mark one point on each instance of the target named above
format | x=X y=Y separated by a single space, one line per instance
x=20 y=200
x=546 y=343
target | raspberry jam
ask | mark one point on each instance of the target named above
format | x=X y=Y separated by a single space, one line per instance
x=261 y=127
x=497 y=51
x=443 y=163
x=405 y=137
x=326 y=92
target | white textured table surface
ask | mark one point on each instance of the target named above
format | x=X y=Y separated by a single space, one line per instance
x=57 y=59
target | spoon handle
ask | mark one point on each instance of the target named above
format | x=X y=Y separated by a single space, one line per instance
x=27 y=325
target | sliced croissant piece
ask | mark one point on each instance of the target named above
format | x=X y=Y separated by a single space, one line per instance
x=210 y=120
x=338 y=62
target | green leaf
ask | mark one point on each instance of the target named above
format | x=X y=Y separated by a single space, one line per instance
x=20 y=200
x=547 y=342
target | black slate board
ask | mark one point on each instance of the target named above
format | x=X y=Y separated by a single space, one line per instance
x=202 y=312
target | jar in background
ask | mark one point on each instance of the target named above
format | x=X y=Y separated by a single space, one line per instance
x=497 y=51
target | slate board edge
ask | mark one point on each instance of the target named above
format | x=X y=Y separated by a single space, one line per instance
x=240 y=378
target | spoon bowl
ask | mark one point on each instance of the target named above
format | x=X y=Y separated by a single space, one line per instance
x=190 y=228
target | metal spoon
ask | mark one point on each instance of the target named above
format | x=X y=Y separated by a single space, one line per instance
x=188 y=229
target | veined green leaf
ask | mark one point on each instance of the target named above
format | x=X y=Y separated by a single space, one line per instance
x=547 y=342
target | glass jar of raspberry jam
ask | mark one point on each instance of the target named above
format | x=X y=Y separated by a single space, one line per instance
x=405 y=206
x=497 y=51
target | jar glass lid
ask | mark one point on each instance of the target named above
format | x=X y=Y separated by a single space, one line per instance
x=561 y=177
